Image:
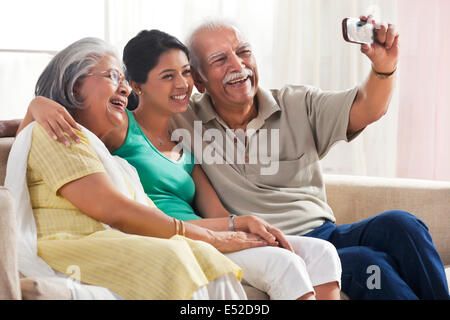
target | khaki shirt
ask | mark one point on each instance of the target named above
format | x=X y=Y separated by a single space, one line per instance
x=272 y=170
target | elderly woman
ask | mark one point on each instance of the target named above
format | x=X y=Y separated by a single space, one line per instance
x=89 y=208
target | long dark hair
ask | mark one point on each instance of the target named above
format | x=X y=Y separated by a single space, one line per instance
x=141 y=54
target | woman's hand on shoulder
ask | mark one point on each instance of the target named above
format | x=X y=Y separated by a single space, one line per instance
x=55 y=119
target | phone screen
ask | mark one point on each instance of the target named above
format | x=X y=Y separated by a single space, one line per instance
x=359 y=31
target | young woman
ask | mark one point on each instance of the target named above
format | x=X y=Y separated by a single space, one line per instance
x=159 y=72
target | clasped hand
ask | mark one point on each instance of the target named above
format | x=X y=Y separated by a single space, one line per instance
x=251 y=232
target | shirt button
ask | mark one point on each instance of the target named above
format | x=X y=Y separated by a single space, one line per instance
x=235 y=140
x=246 y=159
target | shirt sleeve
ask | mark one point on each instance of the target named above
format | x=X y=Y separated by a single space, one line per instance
x=329 y=115
x=57 y=164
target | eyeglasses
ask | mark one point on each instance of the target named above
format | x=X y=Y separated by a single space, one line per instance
x=113 y=74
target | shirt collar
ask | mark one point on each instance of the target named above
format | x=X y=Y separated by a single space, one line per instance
x=203 y=106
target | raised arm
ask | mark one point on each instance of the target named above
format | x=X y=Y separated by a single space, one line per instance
x=374 y=94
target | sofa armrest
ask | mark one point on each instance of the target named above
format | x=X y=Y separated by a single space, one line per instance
x=354 y=198
x=8 y=128
x=5 y=147
x=9 y=273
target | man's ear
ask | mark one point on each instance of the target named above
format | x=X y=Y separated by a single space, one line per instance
x=198 y=81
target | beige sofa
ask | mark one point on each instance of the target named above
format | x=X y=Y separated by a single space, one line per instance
x=352 y=199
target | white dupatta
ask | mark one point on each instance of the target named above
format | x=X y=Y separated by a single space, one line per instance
x=30 y=264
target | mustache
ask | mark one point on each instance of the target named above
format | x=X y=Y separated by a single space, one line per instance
x=238 y=75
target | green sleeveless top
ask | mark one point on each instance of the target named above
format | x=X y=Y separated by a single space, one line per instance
x=167 y=182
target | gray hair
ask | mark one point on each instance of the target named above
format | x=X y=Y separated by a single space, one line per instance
x=212 y=25
x=62 y=74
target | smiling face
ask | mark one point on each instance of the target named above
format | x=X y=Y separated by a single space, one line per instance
x=104 y=100
x=169 y=84
x=227 y=63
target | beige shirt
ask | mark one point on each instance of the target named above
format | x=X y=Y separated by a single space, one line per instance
x=272 y=170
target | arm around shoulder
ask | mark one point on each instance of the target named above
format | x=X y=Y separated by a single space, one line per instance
x=53 y=117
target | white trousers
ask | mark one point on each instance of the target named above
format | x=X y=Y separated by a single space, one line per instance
x=285 y=275
x=226 y=287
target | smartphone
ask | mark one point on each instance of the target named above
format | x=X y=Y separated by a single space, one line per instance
x=357 y=31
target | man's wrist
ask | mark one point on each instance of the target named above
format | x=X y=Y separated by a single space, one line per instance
x=231 y=225
x=240 y=223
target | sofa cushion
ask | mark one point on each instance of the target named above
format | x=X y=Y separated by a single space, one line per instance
x=42 y=289
x=355 y=198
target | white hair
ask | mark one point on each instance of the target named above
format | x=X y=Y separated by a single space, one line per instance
x=59 y=78
x=210 y=25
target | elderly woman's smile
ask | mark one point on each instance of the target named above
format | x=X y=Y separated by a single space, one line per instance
x=104 y=93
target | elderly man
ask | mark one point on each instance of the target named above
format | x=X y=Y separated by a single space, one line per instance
x=299 y=124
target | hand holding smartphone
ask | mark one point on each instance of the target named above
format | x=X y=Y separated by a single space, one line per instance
x=358 y=31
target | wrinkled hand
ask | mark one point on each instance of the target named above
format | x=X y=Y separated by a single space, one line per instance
x=55 y=119
x=383 y=52
x=272 y=235
x=229 y=241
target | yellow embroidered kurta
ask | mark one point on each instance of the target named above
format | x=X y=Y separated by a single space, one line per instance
x=135 y=267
